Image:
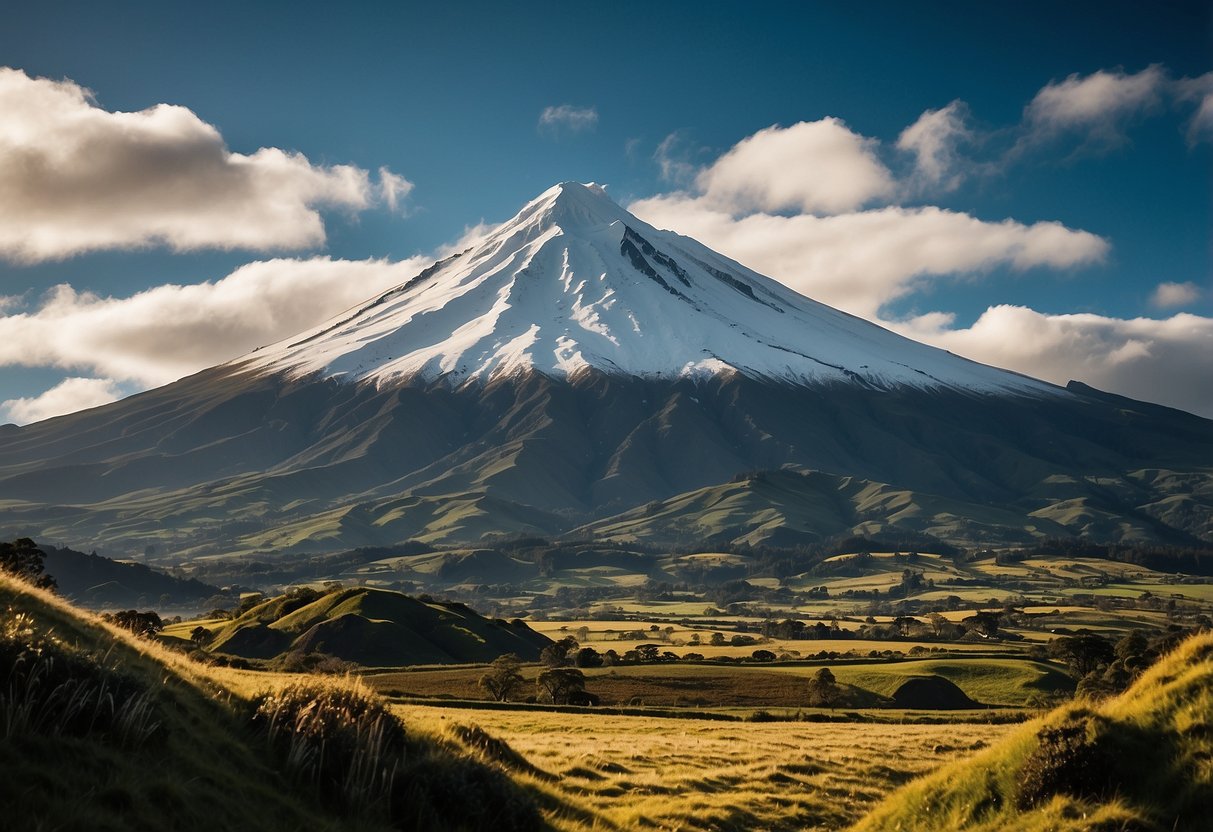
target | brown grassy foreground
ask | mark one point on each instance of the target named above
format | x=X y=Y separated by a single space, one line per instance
x=663 y=774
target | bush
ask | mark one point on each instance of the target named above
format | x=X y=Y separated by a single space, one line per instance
x=1069 y=760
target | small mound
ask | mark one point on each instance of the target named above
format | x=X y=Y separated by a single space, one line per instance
x=932 y=693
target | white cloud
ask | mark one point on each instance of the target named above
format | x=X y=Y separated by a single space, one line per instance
x=1098 y=103
x=934 y=140
x=1173 y=295
x=394 y=188
x=861 y=261
x=813 y=166
x=67 y=396
x=1200 y=91
x=75 y=177
x=1169 y=361
x=169 y=331
x=567 y=117
x=672 y=158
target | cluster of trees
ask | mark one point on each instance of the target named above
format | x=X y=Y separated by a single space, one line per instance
x=26 y=561
x=503 y=682
x=1105 y=668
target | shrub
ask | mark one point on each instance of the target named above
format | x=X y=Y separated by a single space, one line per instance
x=1069 y=760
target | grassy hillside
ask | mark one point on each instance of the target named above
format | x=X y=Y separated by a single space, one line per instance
x=374 y=627
x=105 y=731
x=1141 y=761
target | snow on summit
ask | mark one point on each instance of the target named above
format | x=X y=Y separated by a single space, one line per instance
x=574 y=282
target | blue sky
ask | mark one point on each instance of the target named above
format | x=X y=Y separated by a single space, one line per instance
x=1083 y=115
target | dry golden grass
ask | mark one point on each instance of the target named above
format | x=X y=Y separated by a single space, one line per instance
x=664 y=774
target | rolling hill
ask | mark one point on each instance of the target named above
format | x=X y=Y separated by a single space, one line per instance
x=1140 y=761
x=102 y=730
x=373 y=627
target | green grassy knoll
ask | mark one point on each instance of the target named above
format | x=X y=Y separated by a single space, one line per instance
x=372 y=627
x=1140 y=761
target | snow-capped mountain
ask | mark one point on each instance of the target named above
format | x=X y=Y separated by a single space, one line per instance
x=578 y=371
x=575 y=282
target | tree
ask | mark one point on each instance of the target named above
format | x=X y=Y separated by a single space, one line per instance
x=25 y=560
x=823 y=690
x=985 y=623
x=939 y=624
x=717 y=640
x=201 y=636
x=762 y=656
x=647 y=652
x=588 y=657
x=503 y=678
x=557 y=684
x=557 y=654
x=1083 y=653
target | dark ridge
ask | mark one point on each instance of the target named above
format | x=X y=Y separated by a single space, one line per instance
x=737 y=284
x=647 y=248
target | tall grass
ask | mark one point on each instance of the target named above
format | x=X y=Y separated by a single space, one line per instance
x=48 y=690
x=336 y=737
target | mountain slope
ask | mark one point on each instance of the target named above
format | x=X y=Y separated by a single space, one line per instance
x=1137 y=762
x=574 y=282
x=572 y=365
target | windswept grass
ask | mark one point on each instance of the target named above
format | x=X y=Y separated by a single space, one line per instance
x=632 y=772
x=101 y=730
x=1141 y=761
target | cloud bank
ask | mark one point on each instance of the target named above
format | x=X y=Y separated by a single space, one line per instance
x=772 y=202
x=75 y=178
x=169 y=331
x=67 y=396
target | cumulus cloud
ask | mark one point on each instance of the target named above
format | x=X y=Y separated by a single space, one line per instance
x=813 y=166
x=67 y=396
x=862 y=260
x=1200 y=91
x=75 y=177
x=1173 y=295
x=1160 y=360
x=169 y=331
x=1098 y=103
x=566 y=117
x=934 y=140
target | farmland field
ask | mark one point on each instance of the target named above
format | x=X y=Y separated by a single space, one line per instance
x=640 y=772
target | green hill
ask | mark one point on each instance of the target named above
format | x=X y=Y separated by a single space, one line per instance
x=100 y=730
x=1142 y=761
x=376 y=628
